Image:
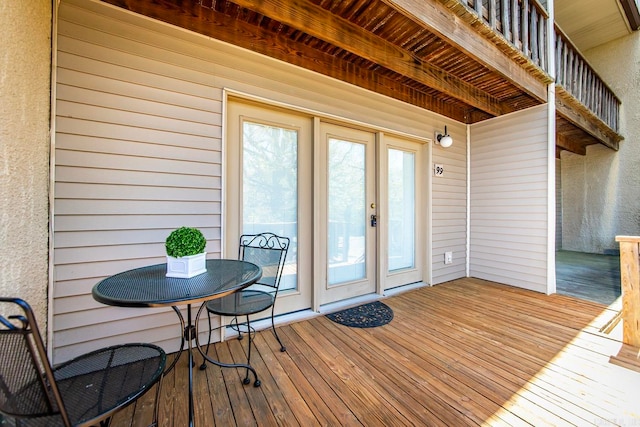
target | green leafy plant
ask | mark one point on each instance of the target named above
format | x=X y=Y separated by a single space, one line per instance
x=185 y=241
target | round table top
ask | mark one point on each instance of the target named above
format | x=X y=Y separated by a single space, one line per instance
x=149 y=286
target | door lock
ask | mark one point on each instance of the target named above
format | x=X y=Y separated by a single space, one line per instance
x=374 y=220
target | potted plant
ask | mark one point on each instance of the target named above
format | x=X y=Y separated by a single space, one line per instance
x=185 y=253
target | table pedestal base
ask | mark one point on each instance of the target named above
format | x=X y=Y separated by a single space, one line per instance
x=190 y=333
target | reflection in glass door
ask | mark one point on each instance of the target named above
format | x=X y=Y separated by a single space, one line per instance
x=270 y=187
x=347 y=238
x=401 y=235
x=402 y=195
x=324 y=194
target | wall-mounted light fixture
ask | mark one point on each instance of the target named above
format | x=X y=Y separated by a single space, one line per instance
x=443 y=139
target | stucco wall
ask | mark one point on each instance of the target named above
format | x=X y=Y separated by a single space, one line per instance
x=25 y=69
x=601 y=191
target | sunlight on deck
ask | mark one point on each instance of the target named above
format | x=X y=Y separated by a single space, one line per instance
x=581 y=399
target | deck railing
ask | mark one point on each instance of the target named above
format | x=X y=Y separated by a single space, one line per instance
x=577 y=77
x=630 y=284
x=523 y=23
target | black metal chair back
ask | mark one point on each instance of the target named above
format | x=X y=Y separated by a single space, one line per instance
x=268 y=251
x=82 y=391
x=27 y=385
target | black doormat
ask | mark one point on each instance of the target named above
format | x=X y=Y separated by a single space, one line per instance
x=364 y=316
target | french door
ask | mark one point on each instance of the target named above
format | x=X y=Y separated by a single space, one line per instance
x=403 y=235
x=268 y=176
x=349 y=200
x=348 y=212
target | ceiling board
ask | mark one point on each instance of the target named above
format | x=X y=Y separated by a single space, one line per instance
x=590 y=23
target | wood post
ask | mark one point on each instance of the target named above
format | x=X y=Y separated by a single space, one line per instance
x=525 y=28
x=630 y=282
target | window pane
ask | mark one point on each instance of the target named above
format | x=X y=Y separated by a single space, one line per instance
x=270 y=187
x=401 y=210
x=347 y=222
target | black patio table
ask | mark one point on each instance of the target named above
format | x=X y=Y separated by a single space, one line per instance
x=149 y=287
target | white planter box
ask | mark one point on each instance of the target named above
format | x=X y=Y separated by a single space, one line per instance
x=187 y=266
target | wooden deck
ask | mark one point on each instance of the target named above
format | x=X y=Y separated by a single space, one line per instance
x=467 y=352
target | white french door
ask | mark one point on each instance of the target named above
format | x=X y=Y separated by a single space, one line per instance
x=348 y=212
x=268 y=158
x=402 y=234
x=349 y=199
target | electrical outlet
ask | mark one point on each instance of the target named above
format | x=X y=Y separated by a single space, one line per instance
x=448 y=257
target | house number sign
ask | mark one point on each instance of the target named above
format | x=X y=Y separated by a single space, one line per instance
x=438 y=169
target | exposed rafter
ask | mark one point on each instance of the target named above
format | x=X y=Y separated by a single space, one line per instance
x=193 y=16
x=565 y=143
x=437 y=18
x=322 y=24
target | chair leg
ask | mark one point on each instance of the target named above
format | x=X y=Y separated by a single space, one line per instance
x=204 y=361
x=273 y=326
x=246 y=379
x=156 y=406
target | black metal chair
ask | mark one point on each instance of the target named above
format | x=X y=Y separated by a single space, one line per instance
x=268 y=251
x=84 y=391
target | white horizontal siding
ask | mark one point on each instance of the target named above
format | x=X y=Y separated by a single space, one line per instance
x=449 y=207
x=131 y=192
x=508 y=210
x=139 y=152
x=155 y=325
x=137 y=155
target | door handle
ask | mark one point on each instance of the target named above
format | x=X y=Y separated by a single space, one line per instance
x=374 y=220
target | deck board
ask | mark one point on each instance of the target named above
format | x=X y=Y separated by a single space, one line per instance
x=467 y=352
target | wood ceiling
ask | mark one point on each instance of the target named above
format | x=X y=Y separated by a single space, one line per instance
x=419 y=52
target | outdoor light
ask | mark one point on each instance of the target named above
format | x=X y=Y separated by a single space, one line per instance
x=444 y=139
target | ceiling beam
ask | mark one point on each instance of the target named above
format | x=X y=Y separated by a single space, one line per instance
x=437 y=18
x=190 y=15
x=322 y=24
x=564 y=143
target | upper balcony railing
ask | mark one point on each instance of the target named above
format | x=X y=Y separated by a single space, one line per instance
x=577 y=77
x=523 y=23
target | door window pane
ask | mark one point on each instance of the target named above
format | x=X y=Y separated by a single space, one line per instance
x=401 y=210
x=347 y=222
x=270 y=187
